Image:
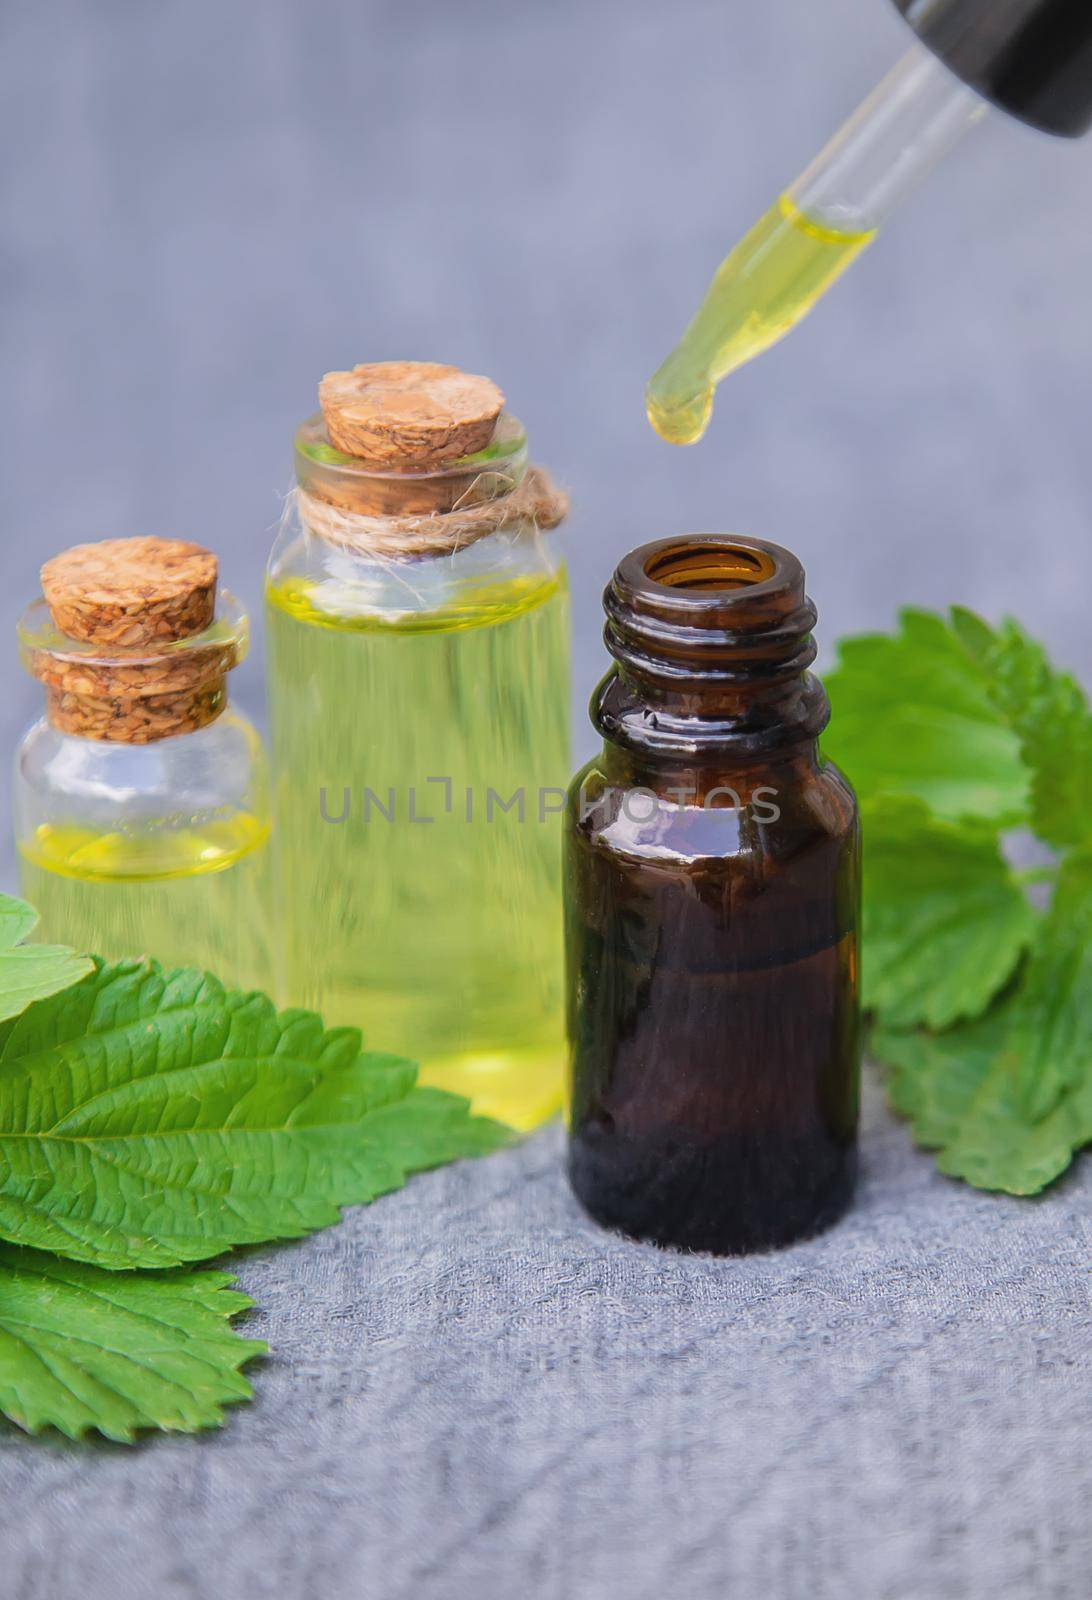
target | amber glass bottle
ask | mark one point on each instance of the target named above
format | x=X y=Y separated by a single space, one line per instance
x=712 y=889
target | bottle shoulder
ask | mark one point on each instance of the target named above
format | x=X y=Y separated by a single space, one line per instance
x=219 y=767
x=833 y=799
x=682 y=819
x=232 y=736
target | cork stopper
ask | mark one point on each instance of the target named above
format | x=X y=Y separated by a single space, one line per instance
x=129 y=592
x=408 y=416
x=125 y=659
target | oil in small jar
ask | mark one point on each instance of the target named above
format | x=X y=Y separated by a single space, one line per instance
x=141 y=800
x=711 y=903
x=418 y=646
x=759 y=293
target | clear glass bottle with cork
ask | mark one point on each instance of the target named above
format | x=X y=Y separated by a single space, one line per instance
x=141 y=804
x=711 y=893
x=418 y=633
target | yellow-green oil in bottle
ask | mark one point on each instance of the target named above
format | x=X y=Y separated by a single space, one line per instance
x=768 y=283
x=419 y=901
x=189 y=896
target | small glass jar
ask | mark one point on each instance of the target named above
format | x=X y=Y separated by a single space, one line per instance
x=419 y=715
x=136 y=841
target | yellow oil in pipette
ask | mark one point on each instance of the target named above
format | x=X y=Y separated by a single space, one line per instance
x=759 y=293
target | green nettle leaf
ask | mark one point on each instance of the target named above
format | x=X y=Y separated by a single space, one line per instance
x=150 y=1118
x=1008 y=1099
x=1052 y=1013
x=29 y=972
x=913 y=714
x=953 y=730
x=1049 y=711
x=961 y=1091
x=84 y=1349
x=944 y=921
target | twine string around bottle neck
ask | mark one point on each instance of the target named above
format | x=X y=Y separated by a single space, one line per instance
x=534 y=499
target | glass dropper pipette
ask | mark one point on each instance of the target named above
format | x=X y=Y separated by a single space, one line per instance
x=807 y=239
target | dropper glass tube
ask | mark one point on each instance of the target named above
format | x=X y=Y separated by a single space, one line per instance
x=811 y=234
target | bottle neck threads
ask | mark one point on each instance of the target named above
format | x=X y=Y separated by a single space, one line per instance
x=712 y=638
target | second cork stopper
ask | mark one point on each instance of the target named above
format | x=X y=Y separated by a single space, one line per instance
x=409 y=415
x=131 y=656
x=125 y=593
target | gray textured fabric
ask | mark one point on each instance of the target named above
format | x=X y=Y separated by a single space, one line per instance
x=475 y=1392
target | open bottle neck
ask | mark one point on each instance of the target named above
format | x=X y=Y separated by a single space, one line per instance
x=712 y=639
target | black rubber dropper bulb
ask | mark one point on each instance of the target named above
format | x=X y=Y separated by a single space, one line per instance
x=1033 y=58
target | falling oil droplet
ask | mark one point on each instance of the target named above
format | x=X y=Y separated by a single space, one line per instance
x=768 y=283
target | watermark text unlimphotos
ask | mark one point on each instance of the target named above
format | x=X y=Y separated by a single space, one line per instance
x=437 y=798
